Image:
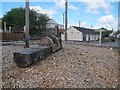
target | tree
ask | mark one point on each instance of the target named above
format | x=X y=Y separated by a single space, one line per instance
x=102 y=28
x=106 y=32
x=38 y=23
x=16 y=17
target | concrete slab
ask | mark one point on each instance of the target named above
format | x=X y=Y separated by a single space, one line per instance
x=44 y=50
x=28 y=56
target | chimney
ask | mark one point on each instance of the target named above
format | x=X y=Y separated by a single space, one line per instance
x=56 y=30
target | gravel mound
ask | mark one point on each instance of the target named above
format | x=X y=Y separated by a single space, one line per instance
x=75 y=66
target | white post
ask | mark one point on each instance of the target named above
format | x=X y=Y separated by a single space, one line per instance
x=5 y=29
x=100 y=37
x=24 y=29
x=10 y=29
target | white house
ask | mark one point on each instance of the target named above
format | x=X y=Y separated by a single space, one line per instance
x=118 y=35
x=52 y=23
x=81 y=34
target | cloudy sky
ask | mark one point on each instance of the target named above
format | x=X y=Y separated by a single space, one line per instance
x=95 y=13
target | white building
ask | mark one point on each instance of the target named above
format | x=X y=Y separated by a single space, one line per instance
x=81 y=34
x=118 y=35
x=52 y=23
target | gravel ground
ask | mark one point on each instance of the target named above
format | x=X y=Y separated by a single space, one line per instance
x=75 y=66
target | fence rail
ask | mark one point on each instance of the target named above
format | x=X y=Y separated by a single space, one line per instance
x=12 y=36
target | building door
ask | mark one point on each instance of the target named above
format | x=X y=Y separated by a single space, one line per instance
x=84 y=37
x=88 y=37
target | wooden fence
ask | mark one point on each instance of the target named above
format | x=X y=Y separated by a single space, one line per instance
x=12 y=36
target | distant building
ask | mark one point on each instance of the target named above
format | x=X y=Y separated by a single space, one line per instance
x=51 y=24
x=117 y=34
x=81 y=34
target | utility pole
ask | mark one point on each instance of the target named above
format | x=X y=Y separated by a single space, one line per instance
x=27 y=24
x=79 y=23
x=63 y=21
x=100 y=38
x=91 y=26
x=66 y=7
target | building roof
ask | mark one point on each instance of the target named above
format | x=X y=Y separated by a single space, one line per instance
x=86 y=30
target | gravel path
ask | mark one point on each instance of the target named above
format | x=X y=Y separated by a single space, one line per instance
x=76 y=66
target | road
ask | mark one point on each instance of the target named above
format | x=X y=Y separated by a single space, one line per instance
x=113 y=44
